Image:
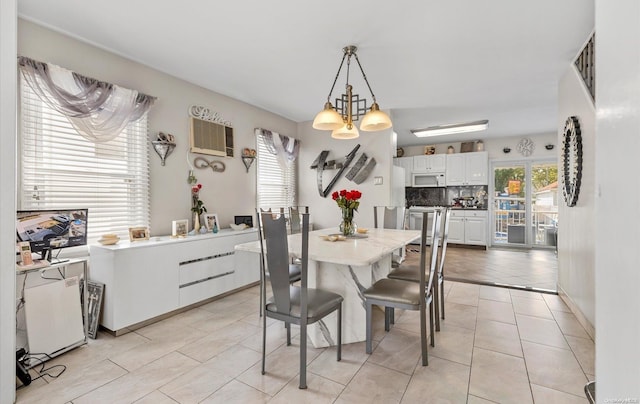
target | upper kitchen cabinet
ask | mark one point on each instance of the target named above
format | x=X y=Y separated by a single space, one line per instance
x=432 y=163
x=407 y=164
x=468 y=169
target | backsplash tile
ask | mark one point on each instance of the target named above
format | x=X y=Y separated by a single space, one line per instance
x=444 y=196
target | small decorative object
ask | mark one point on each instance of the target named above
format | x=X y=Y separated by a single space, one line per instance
x=479 y=145
x=248 y=157
x=109 y=239
x=451 y=150
x=238 y=227
x=211 y=222
x=549 y=146
x=467 y=147
x=192 y=180
x=164 y=145
x=138 y=233
x=526 y=146
x=506 y=150
x=348 y=203
x=179 y=228
x=428 y=150
x=399 y=152
x=197 y=206
x=572 y=161
x=216 y=165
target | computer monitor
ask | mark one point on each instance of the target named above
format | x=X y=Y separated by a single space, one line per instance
x=46 y=230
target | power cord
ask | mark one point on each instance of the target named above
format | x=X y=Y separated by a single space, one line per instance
x=42 y=372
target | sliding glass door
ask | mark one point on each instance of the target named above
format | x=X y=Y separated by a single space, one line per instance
x=524 y=202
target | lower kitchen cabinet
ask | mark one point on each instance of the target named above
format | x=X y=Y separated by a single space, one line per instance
x=468 y=227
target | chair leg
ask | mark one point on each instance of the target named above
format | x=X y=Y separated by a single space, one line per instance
x=392 y=316
x=340 y=332
x=432 y=313
x=303 y=354
x=368 y=323
x=436 y=308
x=387 y=318
x=288 y=327
x=442 y=297
x=423 y=334
x=264 y=340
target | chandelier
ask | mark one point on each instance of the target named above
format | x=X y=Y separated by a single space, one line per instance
x=350 y=107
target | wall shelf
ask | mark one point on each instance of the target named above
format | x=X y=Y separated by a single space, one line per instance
x=247 y=161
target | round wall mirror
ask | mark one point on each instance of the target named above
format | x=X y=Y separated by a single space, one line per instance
x=572 y=160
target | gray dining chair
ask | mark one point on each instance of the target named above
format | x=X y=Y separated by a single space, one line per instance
x=295 y=268
x=294 y=304
x=400 y=294
x=390 y=217
x=294 y=218
x=411 y=272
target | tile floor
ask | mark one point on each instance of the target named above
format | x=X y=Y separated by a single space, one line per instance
x=496 y=345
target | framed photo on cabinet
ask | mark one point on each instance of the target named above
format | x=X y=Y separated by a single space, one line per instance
x=179 y=228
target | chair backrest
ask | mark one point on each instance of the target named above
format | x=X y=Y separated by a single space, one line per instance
x=429 y=255
x=294 y=218
x=392 y=217
x=274 y=228
x=444 y=237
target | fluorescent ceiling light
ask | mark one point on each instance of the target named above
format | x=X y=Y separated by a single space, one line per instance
x=449 y=129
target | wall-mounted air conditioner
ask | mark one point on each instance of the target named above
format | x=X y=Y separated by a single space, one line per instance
x=211 y=138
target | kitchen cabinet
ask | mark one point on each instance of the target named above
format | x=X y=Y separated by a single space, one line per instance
x=467 y=168
x=468 y=227
x=431 y=163
x=407 y=164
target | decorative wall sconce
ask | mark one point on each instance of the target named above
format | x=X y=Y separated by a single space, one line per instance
x=164 y=145
x=248 y=157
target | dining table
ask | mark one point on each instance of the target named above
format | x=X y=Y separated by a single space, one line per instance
x=346 y=266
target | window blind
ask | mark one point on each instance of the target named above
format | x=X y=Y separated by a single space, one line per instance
x=59 y=169
x=276 y=186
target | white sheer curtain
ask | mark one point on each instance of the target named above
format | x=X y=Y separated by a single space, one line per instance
x=283 y=147
x=98 y=110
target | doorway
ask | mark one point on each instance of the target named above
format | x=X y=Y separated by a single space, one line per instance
x=524 y=199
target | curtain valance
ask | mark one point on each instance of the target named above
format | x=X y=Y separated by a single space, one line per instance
x=283 y=147
x=98 y=110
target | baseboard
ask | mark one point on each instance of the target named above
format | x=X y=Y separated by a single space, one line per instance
x=586 y=324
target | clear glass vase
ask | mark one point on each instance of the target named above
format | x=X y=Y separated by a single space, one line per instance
x=347 y=226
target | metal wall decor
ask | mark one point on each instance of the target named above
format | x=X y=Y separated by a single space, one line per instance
x=206 y=114
x=571 y=161
x=526 y=146
x=163 y=145
x=216 y=165
x=586 y=65
x=358 y=173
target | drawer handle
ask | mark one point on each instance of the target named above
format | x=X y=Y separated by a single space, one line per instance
x=211 y=257
x=206 y=279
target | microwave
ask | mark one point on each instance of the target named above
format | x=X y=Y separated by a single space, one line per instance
x=428 y=180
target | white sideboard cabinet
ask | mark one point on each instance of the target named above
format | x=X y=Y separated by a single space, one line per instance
x=146 y=279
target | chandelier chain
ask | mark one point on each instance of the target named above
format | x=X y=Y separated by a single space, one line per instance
x=365 y=77
x=336 y=79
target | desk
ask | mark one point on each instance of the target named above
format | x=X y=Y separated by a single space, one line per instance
x=347 y=268
x=52 y=323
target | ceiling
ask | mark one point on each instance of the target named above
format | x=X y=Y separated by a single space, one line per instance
x=429 y=62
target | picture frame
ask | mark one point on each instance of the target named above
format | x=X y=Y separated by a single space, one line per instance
x=138 y=233
x=95 y=292
x=211 y=219
x=466 y=147
x=248 y=220
x=179 y=228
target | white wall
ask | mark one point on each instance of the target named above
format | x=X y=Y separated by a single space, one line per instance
x=617 y=236
x=229 y=193
x=324 y=211
x=8 y=39
x=576 y=249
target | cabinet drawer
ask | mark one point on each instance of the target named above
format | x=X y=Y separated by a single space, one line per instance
x=457 y=213
x=476 y=213
x=205 y=268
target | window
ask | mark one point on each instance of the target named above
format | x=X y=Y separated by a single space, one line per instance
x=59 y=169
x=276 y=186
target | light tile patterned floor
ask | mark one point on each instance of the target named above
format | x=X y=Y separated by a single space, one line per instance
x=496 y=346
